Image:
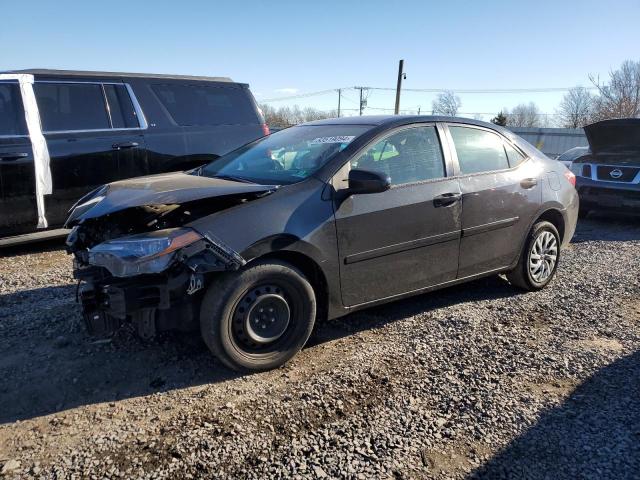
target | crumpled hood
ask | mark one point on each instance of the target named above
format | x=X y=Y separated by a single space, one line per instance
x=168 y=188
x=614 y=136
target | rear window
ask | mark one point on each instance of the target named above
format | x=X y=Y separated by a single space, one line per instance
x=71 y=106
x=515 y=157
x=12 y=121
x=191 y=105
x=123 y=114
x=478 y=150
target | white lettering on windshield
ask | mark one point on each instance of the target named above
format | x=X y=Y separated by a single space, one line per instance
x=336 y=139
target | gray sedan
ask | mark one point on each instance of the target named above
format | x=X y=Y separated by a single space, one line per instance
x=317 y=221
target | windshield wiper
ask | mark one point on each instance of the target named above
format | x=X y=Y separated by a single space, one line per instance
x=233 y=178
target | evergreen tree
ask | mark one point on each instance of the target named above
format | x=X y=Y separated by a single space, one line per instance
x=500 y=119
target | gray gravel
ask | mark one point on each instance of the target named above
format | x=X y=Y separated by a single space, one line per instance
x=478 y=380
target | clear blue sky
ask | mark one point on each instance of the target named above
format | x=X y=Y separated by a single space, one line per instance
x=280 y=47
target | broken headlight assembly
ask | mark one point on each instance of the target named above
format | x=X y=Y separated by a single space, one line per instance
x=141 y=254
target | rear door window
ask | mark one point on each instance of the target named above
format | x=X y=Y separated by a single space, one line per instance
x=478 y=150
x=12 y=121
x=121 y=109
x=71 y=106
x=193 y=105
x=515 y=157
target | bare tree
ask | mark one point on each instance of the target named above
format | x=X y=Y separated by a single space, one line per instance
x=446 y=103
x=620 y=98
x=524 y=115
x=576 y=108
x=287 y=116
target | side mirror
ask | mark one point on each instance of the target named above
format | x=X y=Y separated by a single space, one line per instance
x=367 y=181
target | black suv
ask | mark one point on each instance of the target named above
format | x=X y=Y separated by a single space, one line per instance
x=63 y=133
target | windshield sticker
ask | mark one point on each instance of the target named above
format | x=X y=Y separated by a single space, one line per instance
x=336 y=139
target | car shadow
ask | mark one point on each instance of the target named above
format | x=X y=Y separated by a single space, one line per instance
x=40 y=246
x=594 y=433
x=48 y=363
x=488 y=288
x=605 y=226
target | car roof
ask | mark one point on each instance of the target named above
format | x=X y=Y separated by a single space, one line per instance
x=87 y=73
x=377 y=120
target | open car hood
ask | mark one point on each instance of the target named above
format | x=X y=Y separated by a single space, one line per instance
x=169 y=188
x=614 y=136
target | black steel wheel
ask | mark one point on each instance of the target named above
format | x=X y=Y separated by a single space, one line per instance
x=258 y=318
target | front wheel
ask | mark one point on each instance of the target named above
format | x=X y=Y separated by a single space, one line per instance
x=539 y=259
x=258 y=318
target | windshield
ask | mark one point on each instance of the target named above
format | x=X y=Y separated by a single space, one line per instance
x=571 y=155
x=285 y=157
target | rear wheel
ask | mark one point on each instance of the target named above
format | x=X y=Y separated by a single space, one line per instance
x=258 y=318
x=539 y=259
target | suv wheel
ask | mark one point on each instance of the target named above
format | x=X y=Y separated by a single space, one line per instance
x=539 y=259
x=258 y=318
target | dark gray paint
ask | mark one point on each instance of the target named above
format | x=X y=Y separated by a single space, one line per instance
x=371 y=248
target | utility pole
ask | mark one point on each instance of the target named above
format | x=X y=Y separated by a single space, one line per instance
x=339 y=95
x=363 y=101
x=401 y=75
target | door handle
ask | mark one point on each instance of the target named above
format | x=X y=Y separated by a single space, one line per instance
x=123 y=145
x=446 y=199
x=10 y=157
x=528 y=182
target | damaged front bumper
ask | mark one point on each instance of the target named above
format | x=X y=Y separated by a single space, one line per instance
x=115 y=288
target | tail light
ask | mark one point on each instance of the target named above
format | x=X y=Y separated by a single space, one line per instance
x=570 y=177
x=265 y=129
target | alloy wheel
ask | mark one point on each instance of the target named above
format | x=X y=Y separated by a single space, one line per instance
x=543 y=256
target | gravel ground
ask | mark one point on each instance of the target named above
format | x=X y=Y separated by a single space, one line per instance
x=473 y=381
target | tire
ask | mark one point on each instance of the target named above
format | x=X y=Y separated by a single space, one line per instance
x=525 y=275
x=240 y=334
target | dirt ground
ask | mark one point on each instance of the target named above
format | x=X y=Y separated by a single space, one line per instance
x=478 y=380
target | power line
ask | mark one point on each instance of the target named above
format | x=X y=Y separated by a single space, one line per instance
x=459 y=113
x=485 y=90
x=303 y=95
x=430 y=90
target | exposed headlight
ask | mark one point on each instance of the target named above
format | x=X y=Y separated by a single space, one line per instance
x=145 y=253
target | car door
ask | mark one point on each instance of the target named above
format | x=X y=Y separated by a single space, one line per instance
x=500 y=196
x=93 y=137
x=406 y=238
x=18 y=212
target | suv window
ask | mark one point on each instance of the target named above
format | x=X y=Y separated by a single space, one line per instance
x=12 y=121
x=407 y=156
x=515 y=157
x=191 y=105
x=123 y=114
x=71 y=106
x=478 y=150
